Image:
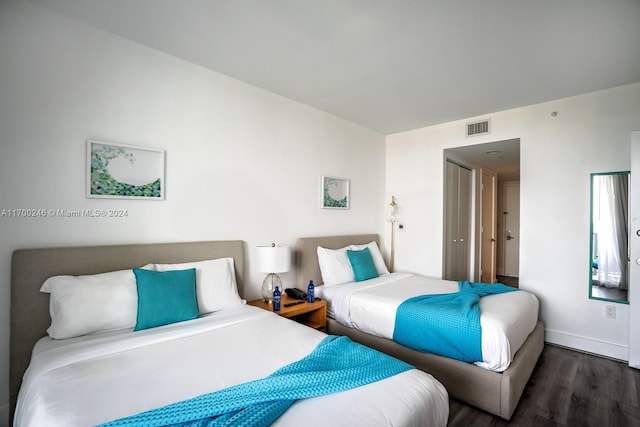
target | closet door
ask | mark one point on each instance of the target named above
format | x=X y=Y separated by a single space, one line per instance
x=450 y=220
x=457 y=222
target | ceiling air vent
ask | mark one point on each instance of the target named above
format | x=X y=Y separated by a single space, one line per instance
x=478 y=128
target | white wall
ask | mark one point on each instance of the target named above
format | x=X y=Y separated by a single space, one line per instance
x=241 y=163
x=591 y=133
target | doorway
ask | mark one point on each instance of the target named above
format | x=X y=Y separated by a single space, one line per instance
x=488 y=225
x=508 y=267
x=494 y=166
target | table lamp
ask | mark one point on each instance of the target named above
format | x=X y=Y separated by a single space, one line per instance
x=272 y=260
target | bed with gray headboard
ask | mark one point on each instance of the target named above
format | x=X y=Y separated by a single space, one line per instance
x=494 y=392
x=31 y=267
x=68 y=380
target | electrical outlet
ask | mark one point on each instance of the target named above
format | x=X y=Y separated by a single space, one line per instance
x=610 y=311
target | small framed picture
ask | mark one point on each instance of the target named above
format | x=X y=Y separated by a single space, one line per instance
x=335 y=193
x=120 y=171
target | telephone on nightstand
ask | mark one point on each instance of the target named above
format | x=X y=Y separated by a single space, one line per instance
x=296 y=293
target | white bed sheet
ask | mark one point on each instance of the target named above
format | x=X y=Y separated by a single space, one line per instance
x=370 y=306
x=98 y=378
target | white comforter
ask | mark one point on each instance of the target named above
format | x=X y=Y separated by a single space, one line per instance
x=82 y=382
x=370 y=306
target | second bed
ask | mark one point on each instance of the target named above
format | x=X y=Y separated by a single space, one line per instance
x=512 y=335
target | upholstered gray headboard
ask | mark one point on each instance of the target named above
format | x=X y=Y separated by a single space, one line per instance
x=31 y=267
x=307 y=255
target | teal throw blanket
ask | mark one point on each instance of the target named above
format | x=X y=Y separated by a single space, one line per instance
x=445 y=324
x=336 y=364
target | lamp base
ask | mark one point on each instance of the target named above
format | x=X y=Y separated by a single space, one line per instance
x=269 y=285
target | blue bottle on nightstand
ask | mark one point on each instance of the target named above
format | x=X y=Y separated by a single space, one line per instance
x=276 y=299
x=310 y=289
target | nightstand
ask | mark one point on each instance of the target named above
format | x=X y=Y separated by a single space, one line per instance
x=312 y=314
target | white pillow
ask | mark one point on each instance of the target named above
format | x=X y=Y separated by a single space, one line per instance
x=81 y=305
x=381 y=267
x=335 y=266
x=216 y=287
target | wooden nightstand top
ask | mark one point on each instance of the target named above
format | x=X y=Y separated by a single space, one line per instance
x=312 y=314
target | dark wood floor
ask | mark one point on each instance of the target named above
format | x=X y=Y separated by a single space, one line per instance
x=609 y=293
x=568 y=388
x=508 y=280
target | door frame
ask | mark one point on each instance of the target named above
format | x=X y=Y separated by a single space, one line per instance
x=487 y=231
x=474 y=157
x=634 y=265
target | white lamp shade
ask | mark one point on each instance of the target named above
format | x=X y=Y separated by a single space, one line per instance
x=273 y=259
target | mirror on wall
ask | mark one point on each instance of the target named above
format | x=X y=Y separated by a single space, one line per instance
x=609 y=262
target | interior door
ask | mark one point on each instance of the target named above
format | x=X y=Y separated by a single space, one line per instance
x=450 y=218
x=511 y=229
x=457 y=222
x=489 y=225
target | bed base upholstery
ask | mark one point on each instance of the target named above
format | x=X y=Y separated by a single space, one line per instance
x=494 y=392
x=31 y=267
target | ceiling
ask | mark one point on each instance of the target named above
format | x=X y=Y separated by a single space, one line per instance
x=391 y=65
x=503 y=157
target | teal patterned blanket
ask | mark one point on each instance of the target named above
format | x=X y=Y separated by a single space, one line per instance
x=445 y=324
x=336 y=364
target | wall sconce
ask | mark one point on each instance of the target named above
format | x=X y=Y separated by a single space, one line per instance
x=392 y=215
x=272 y=260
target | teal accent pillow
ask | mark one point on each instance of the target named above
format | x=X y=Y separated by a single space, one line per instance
x=165 y=297
x=362 y=263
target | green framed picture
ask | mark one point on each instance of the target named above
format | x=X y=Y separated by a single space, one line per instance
x=335 y=193
x=124 y=171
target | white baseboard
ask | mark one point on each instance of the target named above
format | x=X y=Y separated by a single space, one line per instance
x=4 y=416
x=588 y=345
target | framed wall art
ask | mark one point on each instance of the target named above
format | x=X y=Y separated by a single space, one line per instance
x=335 y=193
x=124 y=171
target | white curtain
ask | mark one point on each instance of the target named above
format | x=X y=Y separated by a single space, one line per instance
x=612 y=230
